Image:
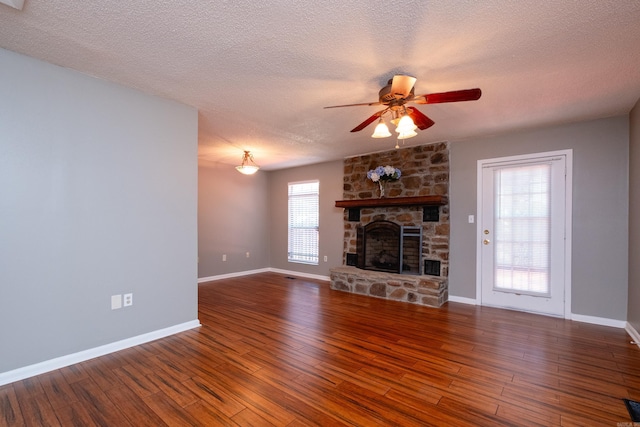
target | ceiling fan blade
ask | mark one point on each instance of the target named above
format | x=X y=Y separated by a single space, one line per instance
x=401 y=85
x=355 y=105
x=454 y=96
x=423 y=122
x=367 y=122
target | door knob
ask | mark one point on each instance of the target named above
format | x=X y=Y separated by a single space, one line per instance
x=486 y=241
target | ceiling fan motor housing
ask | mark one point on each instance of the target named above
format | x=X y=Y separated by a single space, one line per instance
x=386 y=97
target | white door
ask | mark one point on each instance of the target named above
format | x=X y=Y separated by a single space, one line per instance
x=524 y=208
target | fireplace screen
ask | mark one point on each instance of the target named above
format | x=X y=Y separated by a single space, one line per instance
x=387 y=246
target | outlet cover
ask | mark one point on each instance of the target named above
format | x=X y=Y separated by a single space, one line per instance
x=128 y=300
x=116 y=302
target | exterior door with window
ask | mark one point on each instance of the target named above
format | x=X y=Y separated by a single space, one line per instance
x=524 y=217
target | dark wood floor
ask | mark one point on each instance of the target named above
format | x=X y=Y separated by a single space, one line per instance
x=286 y=351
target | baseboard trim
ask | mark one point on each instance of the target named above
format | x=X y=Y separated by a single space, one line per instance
x=462 y=300
x=81 y=356
x=298 y=274
x=602 y=321
x=262 y=270
x=633 y=334
x=232 y=275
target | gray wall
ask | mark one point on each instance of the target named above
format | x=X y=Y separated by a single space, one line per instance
x=97 y=197
x=232 y=220
x=600 y=208
x=331 y=218
x=633 y=307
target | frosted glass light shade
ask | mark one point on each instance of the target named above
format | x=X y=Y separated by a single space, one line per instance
x=382 y=131
x=406 y=125
x=247 y=169
x=248 y=166
x=406 y=135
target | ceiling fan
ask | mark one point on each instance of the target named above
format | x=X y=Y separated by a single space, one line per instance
x=395 y=95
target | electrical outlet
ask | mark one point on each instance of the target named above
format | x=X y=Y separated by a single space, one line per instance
x=248 y=254
x=128 y=300
x=325 y=258
x=116 y=302
x=224 y=257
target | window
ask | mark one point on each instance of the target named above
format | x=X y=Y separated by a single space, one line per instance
x=522 y=228
x=303 y=222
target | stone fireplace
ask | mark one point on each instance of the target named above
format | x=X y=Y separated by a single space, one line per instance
x=397 y=247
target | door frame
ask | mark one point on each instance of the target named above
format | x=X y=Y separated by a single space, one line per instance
x=568 y=218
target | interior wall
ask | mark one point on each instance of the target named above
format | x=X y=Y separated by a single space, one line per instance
x=330 y=175
x=97 y=198
x=600 y=208
x=633 y=305
x=233 y=216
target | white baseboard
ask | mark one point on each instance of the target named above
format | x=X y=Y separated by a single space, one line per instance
x=633 y=333
x=70 y=359
x=232 y=275
x=602 y=321
x=298 y=274
x=262 y=270
x=462 y=300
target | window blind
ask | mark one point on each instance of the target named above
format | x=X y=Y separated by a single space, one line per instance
x=523 y=228
x=303 y=222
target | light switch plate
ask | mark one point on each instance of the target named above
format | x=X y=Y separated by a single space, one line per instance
x=116 y=302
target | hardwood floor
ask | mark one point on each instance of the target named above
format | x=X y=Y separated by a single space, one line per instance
x=286 y=351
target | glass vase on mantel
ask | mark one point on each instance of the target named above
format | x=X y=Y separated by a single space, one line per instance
x=381 y=185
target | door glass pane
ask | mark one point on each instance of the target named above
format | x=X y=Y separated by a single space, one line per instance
x=522 y=228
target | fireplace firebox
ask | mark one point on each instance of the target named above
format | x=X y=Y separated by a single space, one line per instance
x=390 y=247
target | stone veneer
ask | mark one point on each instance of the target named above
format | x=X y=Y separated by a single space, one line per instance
x=425 y=171
x=424 y=290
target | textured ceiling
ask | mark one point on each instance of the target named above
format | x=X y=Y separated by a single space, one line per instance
x=259 y=73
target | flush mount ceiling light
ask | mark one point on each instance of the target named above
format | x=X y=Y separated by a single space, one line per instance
x=248 y=166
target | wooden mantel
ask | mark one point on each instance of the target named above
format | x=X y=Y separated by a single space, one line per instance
x=393 y=201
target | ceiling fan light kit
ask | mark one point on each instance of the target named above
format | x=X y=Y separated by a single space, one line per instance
x=399 y=91
x=406 y=125
x=248 y=166
x=382 y=131
x=407 y=134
